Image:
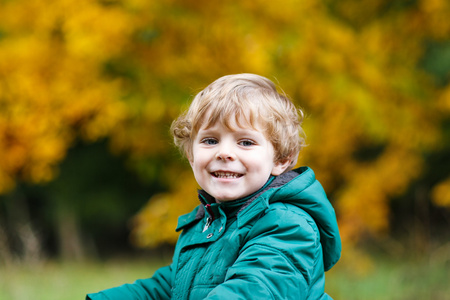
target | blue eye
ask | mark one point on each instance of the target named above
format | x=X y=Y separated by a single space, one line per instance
x=246 y=143
x=209 y=141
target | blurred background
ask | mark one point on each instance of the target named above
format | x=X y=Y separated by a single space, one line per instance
x=91 y=185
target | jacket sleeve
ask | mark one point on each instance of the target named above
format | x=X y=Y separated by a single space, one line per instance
x=157 y=287
x=281 y=252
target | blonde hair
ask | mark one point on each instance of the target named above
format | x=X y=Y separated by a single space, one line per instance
x=251 y=97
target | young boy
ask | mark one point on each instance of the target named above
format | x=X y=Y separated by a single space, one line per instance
x=261 y=231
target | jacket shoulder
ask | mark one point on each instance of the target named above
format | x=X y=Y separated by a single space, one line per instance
x=287 y=215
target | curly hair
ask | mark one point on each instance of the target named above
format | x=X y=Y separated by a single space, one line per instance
x=248 y=97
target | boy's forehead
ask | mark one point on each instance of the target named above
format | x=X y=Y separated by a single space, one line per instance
x=244 y=119
x=231 y=126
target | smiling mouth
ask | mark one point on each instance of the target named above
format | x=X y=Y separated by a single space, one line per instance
x=227 y=175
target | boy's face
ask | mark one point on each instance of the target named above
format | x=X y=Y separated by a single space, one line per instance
x=231 y=164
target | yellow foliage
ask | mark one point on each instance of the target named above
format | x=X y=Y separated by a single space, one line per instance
x=51 y=86
x=441 y=193
x=356 y=76
x=444 y=100
x=6 y=182
x=155 y=223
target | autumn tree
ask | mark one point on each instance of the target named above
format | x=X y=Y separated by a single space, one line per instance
x=53 y=88
x=372 y=110
x=123 y=70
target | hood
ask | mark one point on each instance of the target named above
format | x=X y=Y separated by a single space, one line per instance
x=300 y=188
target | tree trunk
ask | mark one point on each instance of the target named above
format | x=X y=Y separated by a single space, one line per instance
x=27 y=243
x=6 y=256
x=70 y=241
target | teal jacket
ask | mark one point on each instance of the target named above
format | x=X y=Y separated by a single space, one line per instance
x=275 y=244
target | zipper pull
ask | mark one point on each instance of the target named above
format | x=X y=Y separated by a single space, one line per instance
x=208 y=223
x=210 y=219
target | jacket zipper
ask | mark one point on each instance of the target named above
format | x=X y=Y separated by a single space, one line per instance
x=211 y=217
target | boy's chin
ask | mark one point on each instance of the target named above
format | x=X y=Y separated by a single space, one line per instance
x=228 y=198
x=223 y=198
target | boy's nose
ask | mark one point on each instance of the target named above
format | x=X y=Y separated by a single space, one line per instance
x=225 y=153
x=225 y=156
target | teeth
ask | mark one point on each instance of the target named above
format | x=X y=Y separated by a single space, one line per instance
x=226 y=175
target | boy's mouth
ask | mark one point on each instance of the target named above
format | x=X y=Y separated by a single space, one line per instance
x=221 y=174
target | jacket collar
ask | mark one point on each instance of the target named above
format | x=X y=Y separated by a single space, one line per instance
x=241 y=204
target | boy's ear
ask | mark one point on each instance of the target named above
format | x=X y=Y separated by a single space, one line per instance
x=190 y=159
x=280 y=166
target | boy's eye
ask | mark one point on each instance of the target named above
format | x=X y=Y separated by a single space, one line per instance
x=209 y=141
x=246 y=143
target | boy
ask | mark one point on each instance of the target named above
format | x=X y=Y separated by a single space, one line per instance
x=261 y=230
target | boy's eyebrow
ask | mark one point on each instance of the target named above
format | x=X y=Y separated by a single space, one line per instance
x=207 y=130
x=238 y=130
